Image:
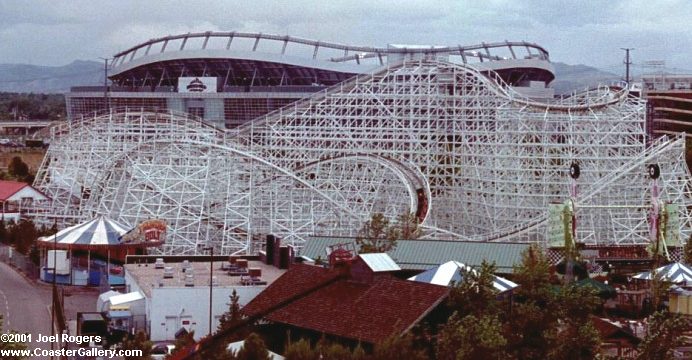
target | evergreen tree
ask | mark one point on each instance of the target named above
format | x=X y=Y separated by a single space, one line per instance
x=18 y=168
x=183 y=342
x=253 y=349
x=475 y=329
x=232 y=316
x=24 y=235
x=663 y=336
x=576 y=338
x=534 y=317
x=138 y=342
x=472 y=337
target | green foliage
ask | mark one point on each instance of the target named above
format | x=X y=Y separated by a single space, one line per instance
x=32 y=106
x=397 y=348
x=17 y=168
x=472 y=337
x=376 y=235
x=664 y=334
x=475 y=294
x=329 y=350
x=11 y=345
x=253 y=349
x=575 y=337
x=408 y=226
x=233 y=316
x=300 y=350
x=379 y=235
x=23 y=236
x=474 y=330
x=138 y=342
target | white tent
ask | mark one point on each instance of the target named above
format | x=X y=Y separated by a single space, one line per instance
x=450 y=272
x=676 y=272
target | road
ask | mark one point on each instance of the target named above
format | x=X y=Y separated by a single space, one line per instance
x=24 y=306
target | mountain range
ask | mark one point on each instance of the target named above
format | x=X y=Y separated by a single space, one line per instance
x=24 y=78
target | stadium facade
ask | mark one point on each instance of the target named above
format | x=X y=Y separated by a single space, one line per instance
x=247 y=75
x=470 y=148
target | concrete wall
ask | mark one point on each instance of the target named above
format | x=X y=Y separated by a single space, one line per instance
x=170 y=307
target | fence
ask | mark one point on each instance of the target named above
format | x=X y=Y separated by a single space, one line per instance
x=19 y=261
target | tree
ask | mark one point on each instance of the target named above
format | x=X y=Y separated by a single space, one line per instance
x=18 y=168
x=408 y=226
x=184 y=342
x=11 y=345
x=475 y=293
x=687 y=252
x=475 y=329
x=534 y=317
x=576 y=338
x=232 y=316
x=300 y=350
x=397 y=348
x=253 y=349
x=376 y=236
x=663 y=336
x=472 y=337
x=138 y=342
x=24 y=235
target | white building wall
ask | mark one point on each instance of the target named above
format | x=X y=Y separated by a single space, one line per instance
x=27 y=192
x=171 y=306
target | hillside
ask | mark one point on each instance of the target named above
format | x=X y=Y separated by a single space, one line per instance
x=569 y=78
x=23 y=78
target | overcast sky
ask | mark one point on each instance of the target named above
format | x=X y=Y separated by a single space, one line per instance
x=54 y=32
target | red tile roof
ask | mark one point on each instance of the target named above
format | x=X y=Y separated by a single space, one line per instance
x=9 y=188
x=369 y=312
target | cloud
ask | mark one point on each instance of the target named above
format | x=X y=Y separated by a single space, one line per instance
x=590 y=32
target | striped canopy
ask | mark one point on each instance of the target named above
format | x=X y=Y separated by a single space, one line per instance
x=450 y=272
x=97 y=233
x=676 y=272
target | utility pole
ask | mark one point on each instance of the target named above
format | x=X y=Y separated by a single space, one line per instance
x=627 y=63
x=106 y=105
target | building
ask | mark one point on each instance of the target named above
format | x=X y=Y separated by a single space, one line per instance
x=16 y=198
x=361 y=302
x=424 y=254
x=230 y=78
x=419 y=133
x=669 y=104
x=177 y=294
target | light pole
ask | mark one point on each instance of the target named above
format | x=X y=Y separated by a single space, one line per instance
x=106 y=104
x=55 y=266
x=211 y=280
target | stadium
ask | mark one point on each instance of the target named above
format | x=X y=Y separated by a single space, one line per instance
x=314 y=141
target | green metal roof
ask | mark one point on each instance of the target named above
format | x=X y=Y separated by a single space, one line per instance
x=426 y=254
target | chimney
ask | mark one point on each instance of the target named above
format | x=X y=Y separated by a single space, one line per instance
x=269 y=249
x=285 y=256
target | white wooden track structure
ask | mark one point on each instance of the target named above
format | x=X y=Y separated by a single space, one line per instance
x=473 y=159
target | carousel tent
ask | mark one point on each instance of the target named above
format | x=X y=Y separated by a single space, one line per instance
x=676 y=272
x=449 y=273
x=97 y=233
